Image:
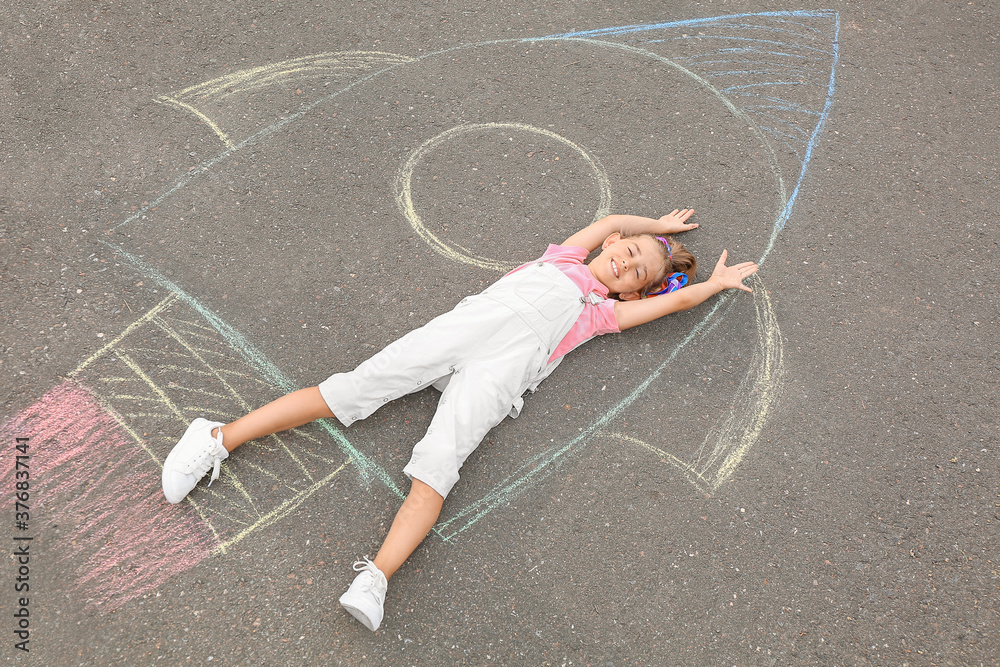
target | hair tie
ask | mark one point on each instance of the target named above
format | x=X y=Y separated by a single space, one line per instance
x=674 y=282
x=664 y=242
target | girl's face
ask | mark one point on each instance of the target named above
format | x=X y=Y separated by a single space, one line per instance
x=626 y=265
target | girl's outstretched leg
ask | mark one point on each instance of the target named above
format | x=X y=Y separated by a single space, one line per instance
x=413 y=521
x=205 y=444
x=291 y=410
x=366 y=596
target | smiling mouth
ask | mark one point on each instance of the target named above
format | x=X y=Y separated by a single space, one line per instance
x=614 y=268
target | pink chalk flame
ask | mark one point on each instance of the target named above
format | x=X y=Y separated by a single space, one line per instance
x=93 y=481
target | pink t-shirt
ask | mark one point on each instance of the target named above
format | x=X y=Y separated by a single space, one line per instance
x=594 y=320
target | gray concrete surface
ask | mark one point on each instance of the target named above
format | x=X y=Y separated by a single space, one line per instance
x=855 y=520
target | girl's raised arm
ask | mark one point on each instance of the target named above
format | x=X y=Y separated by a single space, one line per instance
x=592 y=236
x=634 y=313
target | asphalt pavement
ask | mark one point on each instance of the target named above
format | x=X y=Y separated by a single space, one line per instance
x=204 y=207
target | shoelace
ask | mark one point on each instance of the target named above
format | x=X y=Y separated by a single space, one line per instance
x=215 y=470
x=365 y=565
x=211 y=459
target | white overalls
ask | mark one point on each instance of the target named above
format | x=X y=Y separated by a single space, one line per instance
x=483 y=355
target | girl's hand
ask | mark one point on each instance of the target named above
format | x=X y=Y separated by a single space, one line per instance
x=731 y=277
x=673 y=222
x=633 y=313
x=596 y=233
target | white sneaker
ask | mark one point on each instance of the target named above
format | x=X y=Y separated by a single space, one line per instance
x=365 y=597
x=193 y=455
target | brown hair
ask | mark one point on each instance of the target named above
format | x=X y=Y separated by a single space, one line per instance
x=676 y=258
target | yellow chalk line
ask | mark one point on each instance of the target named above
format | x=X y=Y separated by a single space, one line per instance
x=153 y=316
x=129 y=397
x=239 y=399
x=279 y=512
x=760 y=389
x=136 y=415
x=766 y=385
x=202 y=117
x=153 y=350
x=404 y=196
x=318 y=63
x=196 y=371
x=203 y=392
x=212 y=336
x=129 y=329
x=167 y=329
x=152 y=455
x=307 y=436
x=283 y=76
x=128 y=361
x=255 y=78
x=266 y=473
x=176 y=319
x=201 y=411
x=207 y=351
x=692 y=475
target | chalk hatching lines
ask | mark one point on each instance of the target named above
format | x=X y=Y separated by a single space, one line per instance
x=758 y=392
x=745 y=39
x=258 y=136
x=229 y=388
x=260 y=363
x=745 y=72
x=251 y=516
x=324 y=65
x=752 y=30
x=646 y=27
x=745 y=86
x=726 y=444
x=281 y=511
x=317 y=65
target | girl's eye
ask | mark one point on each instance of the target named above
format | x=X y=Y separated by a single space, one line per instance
x=629 y=252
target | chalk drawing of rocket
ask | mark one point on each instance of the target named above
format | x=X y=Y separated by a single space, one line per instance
x=101 y=435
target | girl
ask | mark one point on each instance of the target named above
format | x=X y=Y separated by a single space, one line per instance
x=483 y=355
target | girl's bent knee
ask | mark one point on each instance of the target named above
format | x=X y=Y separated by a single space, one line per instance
x=424 y=493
